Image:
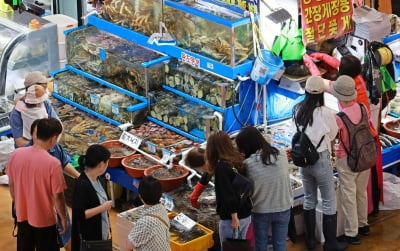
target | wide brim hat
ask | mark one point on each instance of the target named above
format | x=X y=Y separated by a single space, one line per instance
x=344 y=88
x=35 y=77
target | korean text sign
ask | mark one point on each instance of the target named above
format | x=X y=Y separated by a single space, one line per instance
x=323 y=19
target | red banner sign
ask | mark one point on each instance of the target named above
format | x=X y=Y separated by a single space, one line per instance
x=323 y=19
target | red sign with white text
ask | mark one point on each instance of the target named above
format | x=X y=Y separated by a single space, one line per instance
x=322 y=19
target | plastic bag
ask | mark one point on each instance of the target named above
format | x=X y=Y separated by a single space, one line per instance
x=391 y=192
x=6 y=148
x=289 y=44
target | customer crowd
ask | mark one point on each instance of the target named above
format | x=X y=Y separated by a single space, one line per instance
x=37 y=183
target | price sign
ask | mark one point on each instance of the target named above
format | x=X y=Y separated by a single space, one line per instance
x=94 y=99
x=168 y=202
x=135 y=183
x=115 y=109
x=185 y=221
x=193 y=61
x=130 y=140
x=151 y=147
x=55 y=87
x=166 y=154
x=71 y=96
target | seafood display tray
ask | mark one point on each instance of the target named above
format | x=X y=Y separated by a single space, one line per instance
x=159 y=140
x=82 y=91
x=81 y=129
x=182 y=54
x=222 y=32
x=183 y=114
x=193 y=82
x=118 y=61
x=125 y=222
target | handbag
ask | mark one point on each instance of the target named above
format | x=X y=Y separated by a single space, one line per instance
x=233 y=244
x=96 y=245
x=242 y=186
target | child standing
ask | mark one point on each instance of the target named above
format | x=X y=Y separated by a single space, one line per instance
x=32 y=108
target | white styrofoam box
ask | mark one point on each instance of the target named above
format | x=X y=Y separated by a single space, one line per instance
x=124 y=227
x=123 y=231
x=63 y=23
x=298 y=193
x=319 y=236
x=299 y=223
x=62 y=52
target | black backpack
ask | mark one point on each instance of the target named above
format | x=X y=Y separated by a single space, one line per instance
x=303 y=152
x=362 y=153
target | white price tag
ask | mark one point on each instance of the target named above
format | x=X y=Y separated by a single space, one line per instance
x=55 y=87
x=185 y=221
x=135 y=183
x=168 y=202
x=94 y=99
x=71 y=96
x=166 y=154
x=151 y=147
x=115 y=109
x=130 y=140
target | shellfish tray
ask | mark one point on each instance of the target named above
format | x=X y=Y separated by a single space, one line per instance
x=181 y=113
x=197 y=83
x=95 y=98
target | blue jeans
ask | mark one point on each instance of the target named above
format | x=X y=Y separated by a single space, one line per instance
x=279 y=222
x=320 y=175
x=226 y=230
x=67 y=235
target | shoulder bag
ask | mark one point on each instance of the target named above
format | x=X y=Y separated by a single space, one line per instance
x=243 y=186
x=95 y=245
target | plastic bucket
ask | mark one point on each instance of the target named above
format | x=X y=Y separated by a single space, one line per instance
x=266 y=66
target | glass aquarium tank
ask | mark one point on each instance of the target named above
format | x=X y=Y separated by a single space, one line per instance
x=181 y=113
x=139 y=15
x=211 y=28
x=92 y=95
x=23 y=50
x=200 y=84
x=115 y=60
